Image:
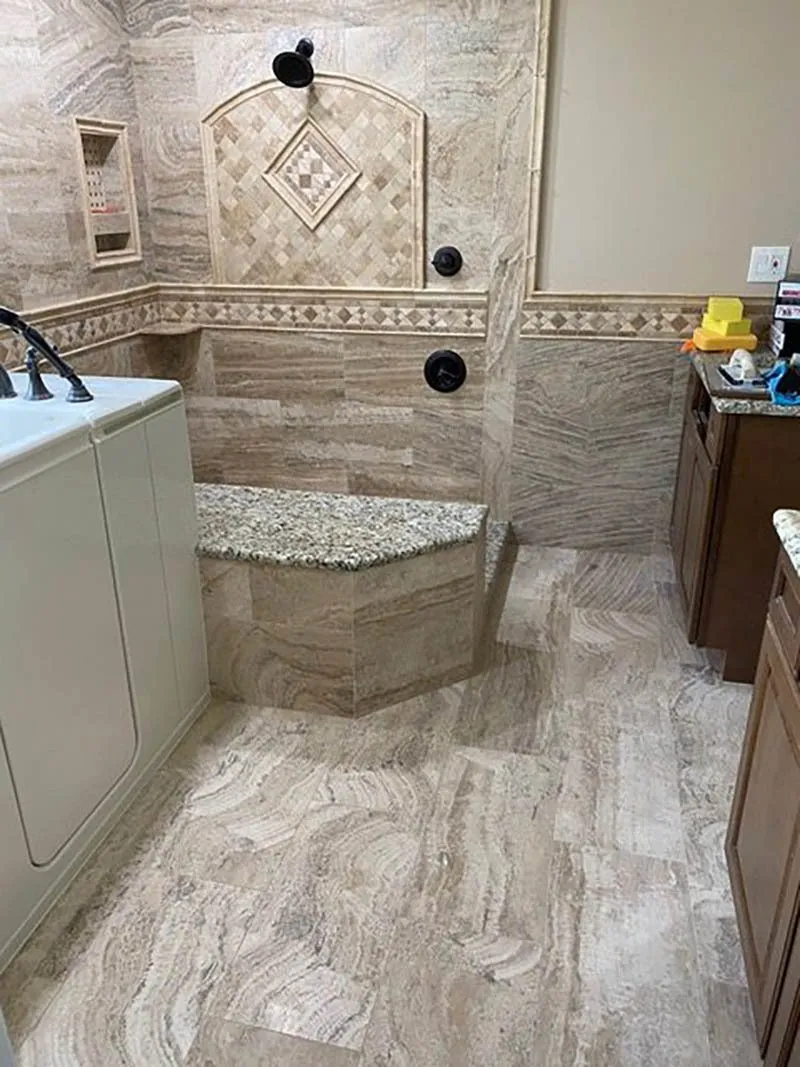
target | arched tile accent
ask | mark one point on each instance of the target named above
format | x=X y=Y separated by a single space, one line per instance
x=323 y=187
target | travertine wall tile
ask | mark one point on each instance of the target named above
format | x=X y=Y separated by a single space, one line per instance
x=596 y=434
x=302 y=596
x=281 y=665
x=57 y=60
x=226 y=588
x=176 y=197
x=333 y=412
x=415 y=625
x=306 y=368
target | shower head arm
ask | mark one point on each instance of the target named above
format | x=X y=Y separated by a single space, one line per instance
x=29 y=333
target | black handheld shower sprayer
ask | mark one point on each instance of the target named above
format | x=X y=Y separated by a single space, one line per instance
x=78 y=393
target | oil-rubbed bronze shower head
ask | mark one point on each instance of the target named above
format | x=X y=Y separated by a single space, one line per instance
x=295 y=68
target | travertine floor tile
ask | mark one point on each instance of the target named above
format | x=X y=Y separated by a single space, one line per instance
x=52 y=953
x=614 y=581
x=524 y=869
x=137 y=994
x=392 y=760
x=620 y=987
x=516 y=703
x=483 y=868
x=612 y=654
x=536 y=613
x=442 y=1003
x=674 y=646
x=731 y=1031
x=709 y=719
x=225 y=1044
x=620 y=787
x=310 y=964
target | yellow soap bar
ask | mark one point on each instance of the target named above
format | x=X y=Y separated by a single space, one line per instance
x=727 y=308
x=726 y=328
x=707 y=341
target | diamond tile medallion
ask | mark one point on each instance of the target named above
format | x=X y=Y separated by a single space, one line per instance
x=311 y=174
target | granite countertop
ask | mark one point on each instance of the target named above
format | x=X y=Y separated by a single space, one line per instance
x=727 y=405
x=326 y=530
x=787 y=523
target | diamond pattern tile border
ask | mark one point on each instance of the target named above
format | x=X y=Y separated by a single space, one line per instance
x=311 y=174
x=647 y=318
x=85 y=324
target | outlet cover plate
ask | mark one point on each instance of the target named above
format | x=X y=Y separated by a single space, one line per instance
x=769 y=264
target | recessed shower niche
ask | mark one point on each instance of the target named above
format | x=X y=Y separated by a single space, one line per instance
x=109 y=198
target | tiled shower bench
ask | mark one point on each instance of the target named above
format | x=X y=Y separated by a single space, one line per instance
x=342 y=604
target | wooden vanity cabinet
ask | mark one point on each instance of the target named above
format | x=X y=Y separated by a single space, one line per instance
x=734 y=472
x=763 y=842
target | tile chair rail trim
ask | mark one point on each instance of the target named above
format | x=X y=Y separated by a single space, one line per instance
x=83 y=324
x=647 y=317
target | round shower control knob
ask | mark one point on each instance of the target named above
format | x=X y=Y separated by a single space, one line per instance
x=447 y=261
x=445 y=371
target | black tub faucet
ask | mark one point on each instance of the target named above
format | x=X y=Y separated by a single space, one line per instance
x=78 y=393
x=7 y=389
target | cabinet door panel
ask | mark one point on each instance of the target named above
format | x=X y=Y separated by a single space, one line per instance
x=680 y=501
x=701 y=479
x=764 y=836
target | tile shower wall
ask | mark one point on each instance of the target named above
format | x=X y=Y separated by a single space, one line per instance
x=458 y=61
x=58 y=59
x=325 y=411
x=596 y=435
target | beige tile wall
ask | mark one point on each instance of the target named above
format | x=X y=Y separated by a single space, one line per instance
x=327 y=411
x=596 y=434
x=575 y=456
x=58 y=60
x=340 y=642
x=461 y=63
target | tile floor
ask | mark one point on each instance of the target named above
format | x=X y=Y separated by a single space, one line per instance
x=524 y=869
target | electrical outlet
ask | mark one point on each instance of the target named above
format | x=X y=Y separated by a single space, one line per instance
x=768 y=264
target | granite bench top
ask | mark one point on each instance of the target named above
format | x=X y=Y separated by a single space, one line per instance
x=330 y=531
x=787 y=523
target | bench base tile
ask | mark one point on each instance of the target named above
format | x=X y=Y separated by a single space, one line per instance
x=340 y=642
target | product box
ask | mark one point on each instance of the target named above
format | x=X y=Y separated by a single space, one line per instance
x=784 y=338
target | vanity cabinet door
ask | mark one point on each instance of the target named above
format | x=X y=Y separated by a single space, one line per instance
x=783 y=1048
x=763 y=846
x=692 y=514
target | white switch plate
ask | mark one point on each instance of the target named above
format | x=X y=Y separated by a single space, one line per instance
x=769 y=264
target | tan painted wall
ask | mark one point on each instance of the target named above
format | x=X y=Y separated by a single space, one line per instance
x=673 y=143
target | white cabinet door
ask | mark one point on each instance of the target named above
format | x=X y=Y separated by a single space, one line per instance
x=65 y=707
x=124 y=463
x=173 y=485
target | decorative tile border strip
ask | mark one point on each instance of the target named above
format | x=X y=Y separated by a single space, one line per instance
x=345 y=311
x=88 y=323
x=85 y=324
x=645 y=318
x=95 y=321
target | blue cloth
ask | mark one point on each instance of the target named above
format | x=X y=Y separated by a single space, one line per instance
x=780 y=381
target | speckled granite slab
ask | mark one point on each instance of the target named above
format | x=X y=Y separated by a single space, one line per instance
x=742 y=405
x=326 y=530
x=787 y=523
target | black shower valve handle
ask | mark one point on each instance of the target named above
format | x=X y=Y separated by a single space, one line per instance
x=445 y=371
x=447 y=261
